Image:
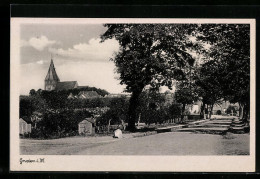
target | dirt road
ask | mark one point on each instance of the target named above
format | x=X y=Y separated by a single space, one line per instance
x=171 y=143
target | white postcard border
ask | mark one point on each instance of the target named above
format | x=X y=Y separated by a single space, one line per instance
x=123 y=163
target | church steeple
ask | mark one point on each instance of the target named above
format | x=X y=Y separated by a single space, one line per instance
x=51 y=78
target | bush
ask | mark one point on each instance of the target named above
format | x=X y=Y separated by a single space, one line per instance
x=117 y=112
x=218 y=112
x=36 y=133
x=230 y=108
x=175 y=109
x=62 y=124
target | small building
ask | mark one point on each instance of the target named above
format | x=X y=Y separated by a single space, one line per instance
x=88 y=94
x=194 y=108
x=84 y=95
x=71 y=96
x=222 y=107
x=87 y=126
x=24 y=128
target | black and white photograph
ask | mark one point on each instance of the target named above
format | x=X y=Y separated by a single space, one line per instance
x=132 y=94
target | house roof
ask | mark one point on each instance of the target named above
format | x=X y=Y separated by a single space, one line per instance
x=52 y=75
x=88 y=94
x=91 y=120
x=66 y=85
x=217 y=107
x=22 y=121
x=26 y=119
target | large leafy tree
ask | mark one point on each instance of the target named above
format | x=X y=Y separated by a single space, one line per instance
x=150 y=54
x=209 y=86
x=186 y=89
x=230 y=47
x=185 y=95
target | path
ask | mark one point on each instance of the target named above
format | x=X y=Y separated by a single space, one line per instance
x=170 y=143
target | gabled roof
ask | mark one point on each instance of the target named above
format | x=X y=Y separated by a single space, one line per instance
x=88 y=94
x=66 y=85
x=86 y=120
x=26 y=119
x=71 y=96
x=22 y=121
x=52 y=75
x=92 y=120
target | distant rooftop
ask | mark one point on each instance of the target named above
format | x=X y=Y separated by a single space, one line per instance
x=66 y=85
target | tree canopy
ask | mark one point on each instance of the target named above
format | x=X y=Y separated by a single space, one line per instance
x=150 y=54
x=230 y=52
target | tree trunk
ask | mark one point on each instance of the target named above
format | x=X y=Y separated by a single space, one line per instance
x=241 y=111
x=134 y=103
x=139 y=118
x=108 y=126
x=202 y=111
x=211 y=108
x=246 y=113
x=182 y=111
x=123 y=124
x=207 y=113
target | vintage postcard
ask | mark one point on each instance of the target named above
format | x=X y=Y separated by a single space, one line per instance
x=157 y=95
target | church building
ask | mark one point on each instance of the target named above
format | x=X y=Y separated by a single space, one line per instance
x=52 y=81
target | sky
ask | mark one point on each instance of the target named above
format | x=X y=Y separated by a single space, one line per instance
x=76 y=51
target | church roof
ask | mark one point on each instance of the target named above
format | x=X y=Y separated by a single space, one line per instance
x=66 y=85
x=52 y=75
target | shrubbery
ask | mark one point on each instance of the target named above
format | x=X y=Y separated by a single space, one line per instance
x=62 y=124
x=59 y=116
x=155 y=116
x=218 y=112
x=117 y=112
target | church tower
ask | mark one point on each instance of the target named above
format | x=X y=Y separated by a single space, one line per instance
x=51 y=79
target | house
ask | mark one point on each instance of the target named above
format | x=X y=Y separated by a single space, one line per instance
x=194 y=108
x=88 y=94
x=87 y=126
x=71 y=96
x=24 y=128
x=222 y=107
x=217 y=108
x=84 y=95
